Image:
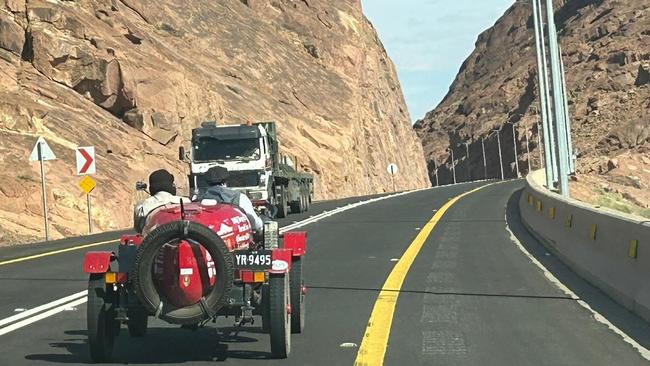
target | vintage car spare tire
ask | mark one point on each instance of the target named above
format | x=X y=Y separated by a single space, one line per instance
x=143 y=280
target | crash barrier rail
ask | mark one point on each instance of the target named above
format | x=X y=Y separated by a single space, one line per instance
x=609 y=249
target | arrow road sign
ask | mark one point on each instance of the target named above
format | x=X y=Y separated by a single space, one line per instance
x=46 y=152
x=85 y=160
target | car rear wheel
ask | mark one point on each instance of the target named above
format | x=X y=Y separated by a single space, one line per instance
x=138 y=321
x=100 y=315
x=297 y=296
x=279 y=317
x=266 y=313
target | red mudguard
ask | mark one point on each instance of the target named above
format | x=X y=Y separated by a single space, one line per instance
x=296 y=241
x=97 y=262
x=281 y=260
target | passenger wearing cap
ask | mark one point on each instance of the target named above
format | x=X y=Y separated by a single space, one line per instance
x=162 y=191
x=216 y=178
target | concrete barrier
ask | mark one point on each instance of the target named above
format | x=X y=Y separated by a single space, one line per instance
x=609 y=249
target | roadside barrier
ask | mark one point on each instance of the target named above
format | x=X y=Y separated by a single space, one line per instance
x=609 y=249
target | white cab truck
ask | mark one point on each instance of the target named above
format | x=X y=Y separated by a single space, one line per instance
x=250 y=152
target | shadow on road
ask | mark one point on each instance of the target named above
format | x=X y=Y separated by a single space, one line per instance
x=442 y=293
x=159 y=346
x=628 y=322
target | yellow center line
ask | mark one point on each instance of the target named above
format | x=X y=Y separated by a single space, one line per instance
x=375 y=339
x=46 y=254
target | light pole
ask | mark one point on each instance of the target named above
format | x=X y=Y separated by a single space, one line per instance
x=544 y=96
x=539 y=142
x=514 y=144
x=484 y=161
x=435 y=166
x=453 y=164
x=500 y=155
x=567 y=117
x=560 y=122
x=528 y=152
x=467 y=169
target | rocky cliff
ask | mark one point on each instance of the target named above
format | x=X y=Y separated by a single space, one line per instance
x=606 y=51
x=133 y=77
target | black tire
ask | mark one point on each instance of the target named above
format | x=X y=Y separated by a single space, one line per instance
x=100 y=317
x=266 y=315
x=279 y=320
x=298 y=308
x=143 y=283
x=296 y=206
x=300 y=205
x=283 y=205
x=138 y=321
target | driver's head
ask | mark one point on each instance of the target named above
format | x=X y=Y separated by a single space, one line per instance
x=216 y=175
x=161 y=181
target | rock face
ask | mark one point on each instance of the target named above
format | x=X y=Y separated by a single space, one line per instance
x=607 y=56
x=133 y=77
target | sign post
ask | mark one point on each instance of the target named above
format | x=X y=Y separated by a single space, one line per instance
x=392 y=170
x=42 y=152
x=86 y=166
x=87 y=184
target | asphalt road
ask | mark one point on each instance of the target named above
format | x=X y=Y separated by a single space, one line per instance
x=471 y=297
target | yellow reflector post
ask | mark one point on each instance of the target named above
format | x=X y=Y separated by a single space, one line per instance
x=593 y=229
x=110 y=277
x=634 y=245
x=551 y=213
x=258 y=277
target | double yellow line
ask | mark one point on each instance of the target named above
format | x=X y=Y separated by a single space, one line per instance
x=375 y=339
x=46 y=254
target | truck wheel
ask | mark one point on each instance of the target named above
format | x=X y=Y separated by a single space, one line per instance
x=297 y=296
x=283 y=205
x=279 y=317
x=296 y=206
x=307 y=202
x=138 y=321
x=100 y=315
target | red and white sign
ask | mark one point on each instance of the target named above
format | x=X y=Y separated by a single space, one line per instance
x=85 y=160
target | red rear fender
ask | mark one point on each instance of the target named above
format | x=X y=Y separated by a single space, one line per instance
x=296 y=241
x=281 y=260
x=97 y=262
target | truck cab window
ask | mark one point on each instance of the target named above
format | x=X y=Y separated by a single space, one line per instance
x=208 y=148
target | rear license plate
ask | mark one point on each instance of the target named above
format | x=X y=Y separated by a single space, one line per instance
x=258 y=260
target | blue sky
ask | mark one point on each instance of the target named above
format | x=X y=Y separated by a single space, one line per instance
x=428 y=40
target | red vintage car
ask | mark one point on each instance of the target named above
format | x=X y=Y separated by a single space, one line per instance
x=193 y=263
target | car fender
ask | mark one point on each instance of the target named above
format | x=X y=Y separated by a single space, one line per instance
x=280 y=261
x=296 y=241
x=97 y=262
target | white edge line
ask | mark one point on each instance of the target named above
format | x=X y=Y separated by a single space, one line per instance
x=40 y=308
x=40 y=316
x=644 y=352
